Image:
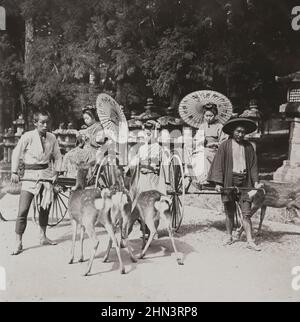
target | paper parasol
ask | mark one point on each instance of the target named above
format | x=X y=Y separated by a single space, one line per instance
x=191 y=107
x=112 y=118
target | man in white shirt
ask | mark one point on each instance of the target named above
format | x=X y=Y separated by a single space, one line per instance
x=37 y=148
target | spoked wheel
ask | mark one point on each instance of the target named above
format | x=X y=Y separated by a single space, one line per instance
x=58 y=208
x=107 y=175
x=103 y=177
x=177 y=190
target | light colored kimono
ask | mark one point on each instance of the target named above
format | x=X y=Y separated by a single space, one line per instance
x=93 y=137
x=147 y=172
x=32 y=151
x=206 y=143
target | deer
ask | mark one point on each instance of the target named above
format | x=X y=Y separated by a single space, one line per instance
x=89 y=208
x=274 y=195
x=151 y=206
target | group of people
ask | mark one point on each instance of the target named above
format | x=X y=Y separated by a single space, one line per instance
x=230 y=161
x=43 y=161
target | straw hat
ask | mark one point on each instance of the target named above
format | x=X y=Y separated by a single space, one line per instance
x=249 y=125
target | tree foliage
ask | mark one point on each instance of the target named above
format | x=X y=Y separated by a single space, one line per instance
x=136 y=48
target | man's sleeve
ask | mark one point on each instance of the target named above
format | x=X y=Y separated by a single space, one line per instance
x=216 y=172
x=57 y=157
x=254 y=167
x=18 y=153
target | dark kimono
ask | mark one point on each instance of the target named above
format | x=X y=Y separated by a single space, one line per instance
x=222 y=165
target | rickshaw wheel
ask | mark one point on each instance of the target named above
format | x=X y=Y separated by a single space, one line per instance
x=105 y=175
x=58 y=208
x=177 y=192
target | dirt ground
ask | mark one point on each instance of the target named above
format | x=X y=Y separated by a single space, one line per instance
x=212 y=272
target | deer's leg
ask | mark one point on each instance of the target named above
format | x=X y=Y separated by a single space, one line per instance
x=262 y=217
x=74 y=232
x=121 y=233
x=112 y=236
x=129 y=250
x=152 y=234
x=151 y=225
x=81 y=258
x=95 y=242
x=168 y=221
x=109 y=246
x=143 y=227
x=125 y=231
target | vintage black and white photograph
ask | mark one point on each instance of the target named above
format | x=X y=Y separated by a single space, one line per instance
x=150 y=152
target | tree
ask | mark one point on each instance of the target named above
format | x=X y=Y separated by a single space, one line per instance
x=136 y=48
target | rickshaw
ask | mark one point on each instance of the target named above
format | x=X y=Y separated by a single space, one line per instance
x=172 y=162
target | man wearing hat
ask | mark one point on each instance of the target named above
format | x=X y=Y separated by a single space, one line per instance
x=235 y=164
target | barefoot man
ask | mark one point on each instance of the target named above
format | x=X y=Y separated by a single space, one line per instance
x=37 y=148
x=235 y=164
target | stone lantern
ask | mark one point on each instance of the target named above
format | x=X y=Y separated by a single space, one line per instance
x=149 y=113
x=8 y=144
x=66 y=137
x=170 y=121
x=134 y=126
x=290 y=171
x=171 y=126
x=19 y=124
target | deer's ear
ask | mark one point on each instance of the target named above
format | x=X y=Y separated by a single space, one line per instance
x=161 y=206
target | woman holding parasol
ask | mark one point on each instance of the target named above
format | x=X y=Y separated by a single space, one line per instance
x=89 y=140
x=207 y=111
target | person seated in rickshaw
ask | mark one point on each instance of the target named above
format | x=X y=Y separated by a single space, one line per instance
x=88 y=141
x=145 y=167
x=206 y=142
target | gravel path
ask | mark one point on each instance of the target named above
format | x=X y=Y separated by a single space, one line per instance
x=211 y=271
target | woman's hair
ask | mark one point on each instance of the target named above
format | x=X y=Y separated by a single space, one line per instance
x=211 y=107
x=91 y=111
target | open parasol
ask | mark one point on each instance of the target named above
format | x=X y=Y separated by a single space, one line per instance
x=191 y=108
x=112 y=118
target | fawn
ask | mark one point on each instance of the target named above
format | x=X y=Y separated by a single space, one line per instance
x=92 y=207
